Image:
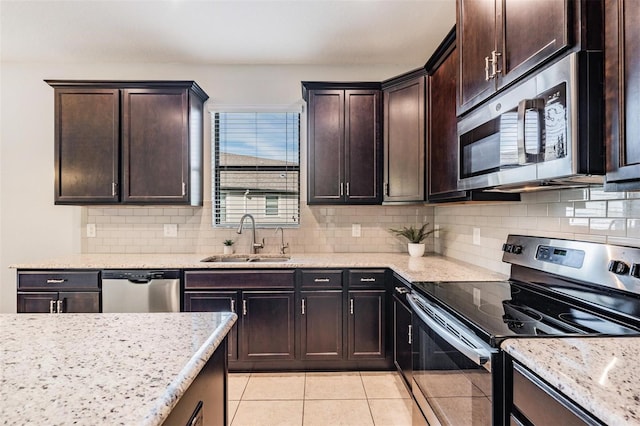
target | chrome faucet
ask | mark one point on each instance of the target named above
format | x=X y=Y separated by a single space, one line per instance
x=254 y=244
x=283 y=246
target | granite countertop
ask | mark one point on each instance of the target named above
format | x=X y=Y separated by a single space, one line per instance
x=599 y=374
x=427 y=268
x=102 y=368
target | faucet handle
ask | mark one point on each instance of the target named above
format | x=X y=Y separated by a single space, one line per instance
x=259 y=245
x=283 y=248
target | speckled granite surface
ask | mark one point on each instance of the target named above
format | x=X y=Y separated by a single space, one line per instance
x=91 y=369
x=427 y=268
x=600 y=374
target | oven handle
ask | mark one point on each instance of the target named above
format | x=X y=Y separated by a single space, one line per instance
x=480 y=355
x=525 y=105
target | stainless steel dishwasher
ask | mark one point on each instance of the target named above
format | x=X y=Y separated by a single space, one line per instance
x=140 y=291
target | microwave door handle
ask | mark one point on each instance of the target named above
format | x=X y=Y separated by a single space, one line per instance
x=525 y=105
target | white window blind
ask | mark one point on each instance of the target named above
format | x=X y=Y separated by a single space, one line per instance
x=256 y=167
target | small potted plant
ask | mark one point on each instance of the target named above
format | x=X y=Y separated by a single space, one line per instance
x=228 y=246
x=415 y=237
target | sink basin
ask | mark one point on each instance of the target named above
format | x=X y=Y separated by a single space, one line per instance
x=245 y=259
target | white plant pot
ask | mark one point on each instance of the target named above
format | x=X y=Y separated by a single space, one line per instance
x=416 y=249
x=228 y=249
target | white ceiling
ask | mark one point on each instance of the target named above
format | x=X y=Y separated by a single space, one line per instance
x=343 y=32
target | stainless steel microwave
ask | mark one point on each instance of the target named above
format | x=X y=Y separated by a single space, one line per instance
x=544 y=132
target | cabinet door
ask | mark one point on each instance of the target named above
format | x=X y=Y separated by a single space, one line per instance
x=366 y=334
x=443 y=135
x=326 y=146
x=404 y=146
x=79 y=302
x=155 y=145
x=363 y=147
x=476 y=39
x=622 y=85
x=321 y=324
x=39 y=302
x=533 y=31
x=267 y=325
x=402 y=339
x=215 y=301
x=87 y=124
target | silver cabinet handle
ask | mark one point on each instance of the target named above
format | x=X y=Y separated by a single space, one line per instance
x=341 y=189
x=114 y=187
x=244 y=307
x=487 y=77
x=402 y=290
x=351 y=306
x=321 y=280
x=303 y=306
x=494 y=64
x=55 y=281
x=233 y=306
x=52 y=308
x=184 y=189
x=367 y=280
x=410 y=334
x=59 y=306
x=386 y=188
x=347 y=189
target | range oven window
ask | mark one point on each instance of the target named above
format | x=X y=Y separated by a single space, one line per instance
x=451 y=385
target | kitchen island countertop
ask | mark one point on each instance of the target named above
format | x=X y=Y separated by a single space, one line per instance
x=102 y=368
x=599 y=374
x=430 y=267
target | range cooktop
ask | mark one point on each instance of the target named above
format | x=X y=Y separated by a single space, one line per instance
x=556 y=288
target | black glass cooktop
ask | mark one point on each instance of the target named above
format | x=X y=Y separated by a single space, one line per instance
x=502 y=309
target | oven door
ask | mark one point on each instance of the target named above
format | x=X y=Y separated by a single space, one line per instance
x=452 y=380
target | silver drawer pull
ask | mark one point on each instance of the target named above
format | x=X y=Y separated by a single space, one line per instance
x=55 y=281
x=303 y=306
x=322 y=280
x=367 y=280
x=402 y=290
x=59 y=305
x=52 y=306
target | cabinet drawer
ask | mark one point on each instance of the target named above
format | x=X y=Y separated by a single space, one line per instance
x=239 y=279
x=58 y=280
x=322 y=278
x=367 y=278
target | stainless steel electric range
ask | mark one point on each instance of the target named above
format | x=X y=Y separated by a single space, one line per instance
x=556 y=288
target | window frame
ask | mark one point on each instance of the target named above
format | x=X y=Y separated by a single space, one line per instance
x=217 y=204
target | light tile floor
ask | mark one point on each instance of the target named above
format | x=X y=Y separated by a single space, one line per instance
x=346 y=398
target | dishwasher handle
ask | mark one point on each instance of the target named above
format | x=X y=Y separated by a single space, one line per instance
x=139 y=280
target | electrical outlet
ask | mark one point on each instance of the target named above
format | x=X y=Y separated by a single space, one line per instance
x=356 y=230
x=436 y=231
x=476 y=296
x=91 y=230
x=476 y=236
x=170 y=230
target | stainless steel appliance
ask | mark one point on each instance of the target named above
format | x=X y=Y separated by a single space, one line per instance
x=140 y=291
x=544 y=132
x=557 y=287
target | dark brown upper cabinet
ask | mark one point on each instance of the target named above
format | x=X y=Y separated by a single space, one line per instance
x=442 y=137
x=499 y=41
x=404 y=137
x=622 y=105
x=134 y=142
x=344 y=143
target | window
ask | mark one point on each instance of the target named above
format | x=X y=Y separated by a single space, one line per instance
x=256 y=167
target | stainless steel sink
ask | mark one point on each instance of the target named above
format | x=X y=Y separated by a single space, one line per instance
x=245 y=259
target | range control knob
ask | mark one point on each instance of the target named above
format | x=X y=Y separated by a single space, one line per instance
x=507 y=247
x=516 y=249
x=618 y=267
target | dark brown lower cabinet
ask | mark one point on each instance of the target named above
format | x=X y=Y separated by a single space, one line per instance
x=267 y=325
x=321 y=325
x=216 y=301
x=366 y=329
x=59 y=302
